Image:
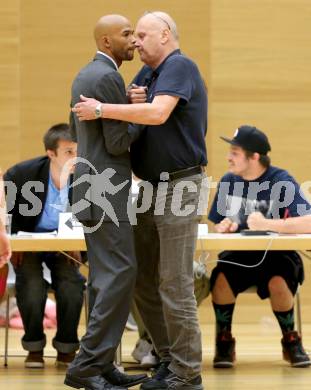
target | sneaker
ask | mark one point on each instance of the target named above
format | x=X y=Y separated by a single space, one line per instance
x=174 y=382
x=293 y=350
x=131 y=324
x=142 y=348
x=64 y=359
x=157 y=381
x=34 y=360
x=225 y=350
x=150 y=360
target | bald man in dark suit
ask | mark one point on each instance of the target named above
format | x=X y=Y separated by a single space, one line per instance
x=100 y=202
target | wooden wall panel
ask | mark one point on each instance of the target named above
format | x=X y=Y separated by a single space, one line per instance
x=9 y=82
x=260 y=74
x=260 y=50
x=253 y=54
x=249 y=52
x=57 y=41
x=285 y=123
x=259 y=66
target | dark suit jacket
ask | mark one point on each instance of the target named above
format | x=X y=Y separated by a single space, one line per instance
x=102 y=143
x=33 y=196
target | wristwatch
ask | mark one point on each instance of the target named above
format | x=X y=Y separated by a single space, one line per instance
x=98 y=111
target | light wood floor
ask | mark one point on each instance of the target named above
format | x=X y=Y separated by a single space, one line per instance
x=259 y=362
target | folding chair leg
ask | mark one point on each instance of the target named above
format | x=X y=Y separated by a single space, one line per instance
x=7 y=321
x=298 y=313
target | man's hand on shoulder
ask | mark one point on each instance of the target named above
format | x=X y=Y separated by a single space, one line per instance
x=226 y=226
x=85 y=110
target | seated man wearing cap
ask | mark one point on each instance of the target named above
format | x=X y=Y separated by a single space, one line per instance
x=256 y=195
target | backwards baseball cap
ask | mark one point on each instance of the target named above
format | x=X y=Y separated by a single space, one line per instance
x=250 y=138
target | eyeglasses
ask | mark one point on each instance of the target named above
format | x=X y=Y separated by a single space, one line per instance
x=158 y=17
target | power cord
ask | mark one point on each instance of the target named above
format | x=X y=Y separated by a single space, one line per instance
x=73 y=259
x=203 y=259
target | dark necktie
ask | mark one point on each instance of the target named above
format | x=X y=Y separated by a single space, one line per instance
x=150 y=84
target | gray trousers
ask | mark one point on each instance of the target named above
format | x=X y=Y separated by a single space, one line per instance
x=201 y=291
x=112 y=277
x=164 y=295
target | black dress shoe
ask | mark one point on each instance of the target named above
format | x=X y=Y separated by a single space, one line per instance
x=117 y=378
x=90 y=383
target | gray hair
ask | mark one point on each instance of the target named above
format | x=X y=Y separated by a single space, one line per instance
x=166 y=19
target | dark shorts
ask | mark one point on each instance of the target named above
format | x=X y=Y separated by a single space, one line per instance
x=286 y=264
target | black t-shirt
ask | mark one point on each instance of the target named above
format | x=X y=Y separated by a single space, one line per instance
x=275 y=193
x=179 y=143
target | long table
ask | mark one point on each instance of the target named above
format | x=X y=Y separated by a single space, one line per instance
x=209 y=242
x=212 y=241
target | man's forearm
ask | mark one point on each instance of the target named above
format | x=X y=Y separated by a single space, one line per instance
x=290 y=225
x=140 y=113
x=154 y=113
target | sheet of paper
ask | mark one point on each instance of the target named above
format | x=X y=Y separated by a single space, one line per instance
x=36 y=234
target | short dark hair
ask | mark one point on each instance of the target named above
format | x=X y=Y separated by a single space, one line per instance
x=264 y=159
x=55 y=134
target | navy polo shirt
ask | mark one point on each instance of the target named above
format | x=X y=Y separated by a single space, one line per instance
x=273 y=194
x=179 y=143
